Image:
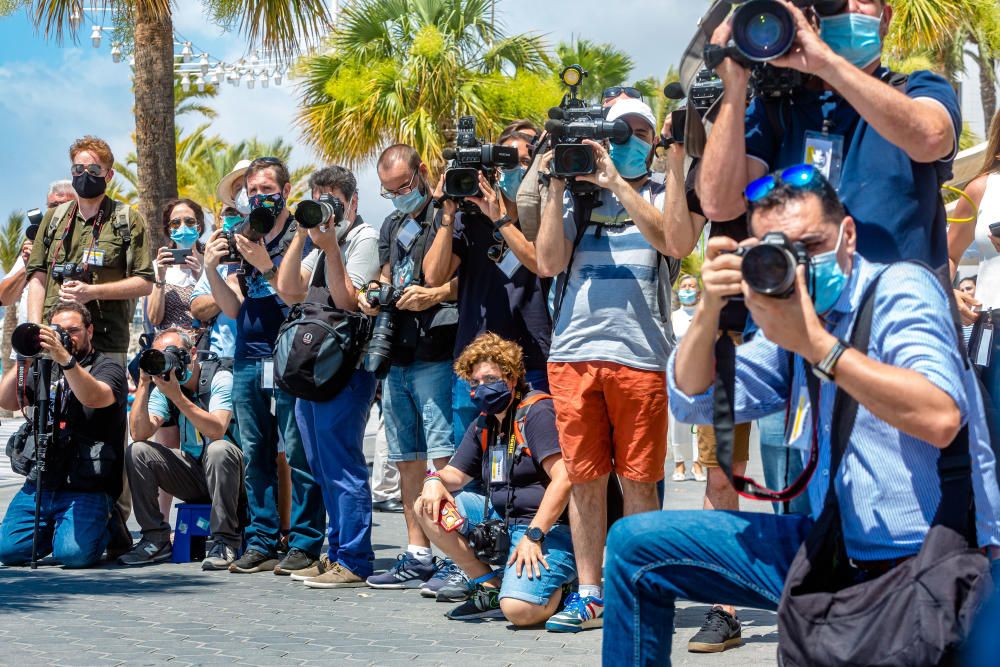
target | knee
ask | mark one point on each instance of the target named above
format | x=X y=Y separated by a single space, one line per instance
x=222 y=452
x=523 y=614
x=76 y=556
x=140 y=450
x=12 y=554
x=717 y=480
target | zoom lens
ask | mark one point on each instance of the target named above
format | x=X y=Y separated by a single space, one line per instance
x=770 y=270
x=573 y=160
x=25 y=340
x=763 y=30
x=153 y=362
x=461 y=182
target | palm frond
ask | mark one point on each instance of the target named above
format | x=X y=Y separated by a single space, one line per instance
x=11 y=238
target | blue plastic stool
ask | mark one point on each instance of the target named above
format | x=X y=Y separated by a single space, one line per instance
x=191 y=531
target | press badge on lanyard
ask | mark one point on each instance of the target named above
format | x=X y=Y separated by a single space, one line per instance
x=800 y=430
x=93 y=257
x=825 y=152
x=408 y=234
x=498 y=464
x=509 y=264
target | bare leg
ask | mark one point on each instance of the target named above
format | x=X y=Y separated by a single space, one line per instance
x=588 y=506
x=720 y=494
x=639 y=496
x=411 y=479
x=524 y=614
x=454 y=546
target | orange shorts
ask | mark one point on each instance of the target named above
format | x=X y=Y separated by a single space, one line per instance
x=610 y=417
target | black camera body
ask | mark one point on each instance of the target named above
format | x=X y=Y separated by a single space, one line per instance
x=254 y=227
x=378 y=359
x=26 y=341
x=769 y=267
x=470 y=157
x=569 y=126
x=327 y=210
x=162 y=363
x=34 y=223
x=71 y=271
x=490 y=540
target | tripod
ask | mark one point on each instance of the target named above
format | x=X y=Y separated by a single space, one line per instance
x=43 y=409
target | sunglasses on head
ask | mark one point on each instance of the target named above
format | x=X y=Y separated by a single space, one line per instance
x=615 y=91
x=799 y=177
x=92 y=169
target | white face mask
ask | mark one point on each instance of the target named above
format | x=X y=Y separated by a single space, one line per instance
x=242 y=202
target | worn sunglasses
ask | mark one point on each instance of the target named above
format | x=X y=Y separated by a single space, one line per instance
x=92 y=169
x=615 y=91
x=799 y=177
x=177 y=222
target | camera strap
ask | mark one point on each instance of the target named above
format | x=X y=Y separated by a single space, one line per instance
x=583 y=207
x=490 y=438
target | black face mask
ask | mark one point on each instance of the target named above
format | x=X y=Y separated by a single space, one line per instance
x=89 y=186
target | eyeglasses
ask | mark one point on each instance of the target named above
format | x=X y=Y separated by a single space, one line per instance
x=495 y=252
x=615 y=91
x=74 y=331
x=92 y=169
x=799 y=177
x=177 y=222
x=489 y=379
x=399 y=192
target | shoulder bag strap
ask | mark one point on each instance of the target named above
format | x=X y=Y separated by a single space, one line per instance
x=120 y=224
x=583 y=206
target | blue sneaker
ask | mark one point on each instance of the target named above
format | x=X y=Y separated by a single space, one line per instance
x=408 y=572
x=448 y=569
x=579 y=614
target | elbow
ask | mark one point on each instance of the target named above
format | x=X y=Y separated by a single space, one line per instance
x=547 y=267
x=945 y=426
x=935 y=144
x=433 y=276
x=719 y=209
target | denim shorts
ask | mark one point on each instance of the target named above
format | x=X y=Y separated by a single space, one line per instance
x=416 y=402
x=557 y=547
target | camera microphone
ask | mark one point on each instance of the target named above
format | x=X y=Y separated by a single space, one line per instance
x=555 y=127
x=449 y=154
x=556 y=113
x=674 y=91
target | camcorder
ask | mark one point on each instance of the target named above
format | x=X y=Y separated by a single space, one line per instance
x=254 y=227
x=383 y=296
x=769 y=267
x=161 y=363
x=470 y=157
x=762 y=31
x=327 y=210
x=490 y=540
x=71 y=271
x=704 y=93
x=34 y=216
x=27 y=342
x=575 y=120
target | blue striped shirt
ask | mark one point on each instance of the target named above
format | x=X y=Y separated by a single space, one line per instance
x=888 y=484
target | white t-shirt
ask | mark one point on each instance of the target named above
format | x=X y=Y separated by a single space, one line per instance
x=359 y=250
x=681 y=319
x=988 y=280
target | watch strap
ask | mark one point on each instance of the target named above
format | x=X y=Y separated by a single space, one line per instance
x=72 y=364
x=501 y=223
x=824 y=369
x=270 y=273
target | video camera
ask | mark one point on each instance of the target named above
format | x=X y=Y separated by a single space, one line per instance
x=383 y=296
x=470 y=157
x=71 y=271
x=34 y=216
x=255 y=227
x=769 y=267
x=26 y=341
x=162 y=363
x=702 y=96
x=762 y=31
x=323 y=211
x=573 y=121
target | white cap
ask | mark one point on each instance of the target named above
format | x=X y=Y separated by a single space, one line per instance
x=224 y=191
x=632 y=107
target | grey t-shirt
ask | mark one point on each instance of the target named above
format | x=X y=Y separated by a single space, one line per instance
x=359 y=249
x=617 y=305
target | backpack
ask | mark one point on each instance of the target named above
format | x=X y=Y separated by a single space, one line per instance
x=318 y=346
x=120 y=223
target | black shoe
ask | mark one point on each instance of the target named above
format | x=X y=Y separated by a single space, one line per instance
x=390 y=505
x=254 y=561
x=121 y=540
x=295 y=560
x=720 y=631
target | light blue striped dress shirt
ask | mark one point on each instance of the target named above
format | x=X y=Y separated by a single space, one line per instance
x=888 y=482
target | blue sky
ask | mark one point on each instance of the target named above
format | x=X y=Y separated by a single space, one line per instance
x=53 y=94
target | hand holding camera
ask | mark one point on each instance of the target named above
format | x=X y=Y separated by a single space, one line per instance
x=254 y=253
x=721 y=274
x=791 y=323
x=487 y=200
x=809 y=54
x=417 y=298
x=32 y=340
x=216 y=250
x=605 y=174
x=76 y=290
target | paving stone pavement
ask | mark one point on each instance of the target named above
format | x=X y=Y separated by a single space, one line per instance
x=179 y=615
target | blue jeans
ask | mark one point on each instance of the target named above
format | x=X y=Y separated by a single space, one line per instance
x=333 y=433
x=465 y=411
x=417 y=405
x=782 y=465
x=557 y=547
x=72 y=526
x=259 y=434
x=657 y=557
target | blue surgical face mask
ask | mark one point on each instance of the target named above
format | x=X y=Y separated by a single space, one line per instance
x=827 y=278
x=855 y=37
x=184 y=236
x=510 y=181
x=230 y=221
x=493 y=397
x=410 y=202
x=687 y=297
x=630 y=158
x=187 y=376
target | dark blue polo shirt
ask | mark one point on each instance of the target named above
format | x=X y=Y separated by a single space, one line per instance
x=893 y=199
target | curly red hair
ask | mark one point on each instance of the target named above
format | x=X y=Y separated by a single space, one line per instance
x=506 y=354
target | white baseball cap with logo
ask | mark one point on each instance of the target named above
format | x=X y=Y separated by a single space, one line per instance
x=630 y=106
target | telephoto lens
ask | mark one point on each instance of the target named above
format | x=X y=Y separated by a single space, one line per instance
x=461 y=182
x=573 y=160
x=27 y=342
x=763 y=30
x=258 y=224
x=162 y=362
x=325 y=210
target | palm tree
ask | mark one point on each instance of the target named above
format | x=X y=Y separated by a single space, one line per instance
x=11 y=238
x=280 y=26
x=605 y=65
x=404 y=70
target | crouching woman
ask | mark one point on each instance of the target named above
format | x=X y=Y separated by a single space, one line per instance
x=513 y=450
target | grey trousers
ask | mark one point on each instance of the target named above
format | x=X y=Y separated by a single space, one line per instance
x=385 y=474
x=217 y=479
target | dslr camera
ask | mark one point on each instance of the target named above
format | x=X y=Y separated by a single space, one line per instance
x=71 y=271
x=470 y=157
x=762 y=31
x=573 y=121
x=26 y=341
x=162 y=363
x=255 y=227
x=769 y=267
x=490 y=540
x=327 y=210
x=34 y=223
x=702 y=96
x=383 y=296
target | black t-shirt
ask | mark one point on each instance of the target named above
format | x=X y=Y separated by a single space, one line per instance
x=514 y=308
x=106 y=425
x=529 y=481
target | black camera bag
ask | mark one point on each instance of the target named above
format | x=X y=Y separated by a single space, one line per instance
x=76 y=463
x=319 y=346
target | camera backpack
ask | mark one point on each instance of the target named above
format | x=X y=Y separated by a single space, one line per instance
x=120 y=223
x=319 y=346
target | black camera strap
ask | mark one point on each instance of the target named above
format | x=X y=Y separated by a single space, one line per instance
x=491 y=438
x=583 y=207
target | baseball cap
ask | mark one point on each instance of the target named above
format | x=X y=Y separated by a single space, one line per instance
x=632 y=107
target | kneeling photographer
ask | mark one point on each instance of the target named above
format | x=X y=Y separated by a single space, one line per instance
x=883 y=407
x=522 y=525
x=208 y=467
x=76 y=436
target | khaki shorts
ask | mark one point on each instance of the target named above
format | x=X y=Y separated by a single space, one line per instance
x=706 y=445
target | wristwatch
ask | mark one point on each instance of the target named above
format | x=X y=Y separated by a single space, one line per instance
x=270 y=273
x=71 y=364
x=824 y=369
x=501 y=223
x=535 y=535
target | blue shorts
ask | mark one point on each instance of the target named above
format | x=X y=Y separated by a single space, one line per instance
x=557 y=547
x=416 y=402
